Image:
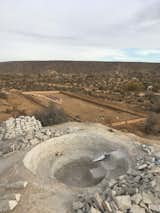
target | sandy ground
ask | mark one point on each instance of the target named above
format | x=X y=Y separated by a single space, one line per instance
x=90 y=112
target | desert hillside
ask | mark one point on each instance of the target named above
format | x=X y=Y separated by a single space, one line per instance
x=76 y=66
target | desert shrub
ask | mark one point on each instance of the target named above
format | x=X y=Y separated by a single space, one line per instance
x=152 y=124
x=3 y=95
x=133 y=86
x=51 y=115
x=155 y=103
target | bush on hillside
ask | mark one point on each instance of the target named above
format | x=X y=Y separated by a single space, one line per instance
x=134 y=86
x=3 y=95
x=152 y=124
x=51 y=115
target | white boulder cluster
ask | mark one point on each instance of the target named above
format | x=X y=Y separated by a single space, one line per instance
x=25 y=131
x=14 y=127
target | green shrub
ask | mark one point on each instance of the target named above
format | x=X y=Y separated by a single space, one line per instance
x=134 y=86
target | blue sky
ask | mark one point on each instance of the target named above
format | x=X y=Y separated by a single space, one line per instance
x=104 y=30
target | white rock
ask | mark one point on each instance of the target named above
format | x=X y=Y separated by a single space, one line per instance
x=17 y=185
x=7 y=205
x=137 y=209
x=93 y=210
x=154 y=207
x=143 y=166
x=146 y=198
x=12 y=196
x=136 y=198
x=123 y=202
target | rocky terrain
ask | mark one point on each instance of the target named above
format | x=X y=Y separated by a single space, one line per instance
x=35 y=173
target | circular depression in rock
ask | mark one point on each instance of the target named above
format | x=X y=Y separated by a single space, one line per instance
x=78 y=173
x=69 y=159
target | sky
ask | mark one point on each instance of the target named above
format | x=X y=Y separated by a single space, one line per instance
x=90 y=30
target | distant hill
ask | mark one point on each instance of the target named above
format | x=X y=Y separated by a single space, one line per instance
x=27 y=67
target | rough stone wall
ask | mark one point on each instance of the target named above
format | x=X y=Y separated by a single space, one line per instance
x=25 y=131
x=15 y=127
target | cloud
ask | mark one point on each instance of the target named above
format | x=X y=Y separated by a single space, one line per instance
x=79 y=30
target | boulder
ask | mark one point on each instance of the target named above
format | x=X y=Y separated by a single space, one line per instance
x=7 y=205
x=137 y=209
x=123 y=202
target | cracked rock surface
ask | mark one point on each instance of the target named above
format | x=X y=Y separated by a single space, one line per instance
x=47 y=170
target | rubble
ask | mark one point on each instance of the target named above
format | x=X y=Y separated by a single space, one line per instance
x=17 y=185
x=135 y=192
x=7 y=205
x=25 y=131
x=123 y=202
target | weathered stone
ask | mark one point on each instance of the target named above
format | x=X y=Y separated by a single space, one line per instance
x=154 y=207
x=17 y=185
x=131 y=191
x=112 y=182
x=123 y=202
x=12 y=196
x=77 y=205
x=99 y=201
x=137 y=209
x=136 y=198
x=107 y=206
x=157 y=155
x=93 y=210
x=142 y=167
x=146 y=198
x=98 y=172
x=7 y=205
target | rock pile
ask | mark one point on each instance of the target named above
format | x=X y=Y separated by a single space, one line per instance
x=137 y=191
x=25 y=131
x=15 y=127
x=9 y=200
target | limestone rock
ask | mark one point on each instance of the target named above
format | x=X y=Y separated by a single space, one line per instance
x=98 y=172
x=137 y=209
x=146 y=198
x=77 y=205
x=136 y=198
x=7 y=205
x=154 y=207
x=12 y=196
x=123 y=202
x=93 y=210
x=17 y=185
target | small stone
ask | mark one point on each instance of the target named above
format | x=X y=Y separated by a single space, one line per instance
x=155 y=170
x=7 y=205
x=136 y=198
x=137 y=209
x=131 y=191
x=17 y=185
x=98 y=172
x=123 y=202
x=93 y=210
x=142 y=167
x=155 y=208
x=77 y=205
x=146 y=198
x=153 y=183
x=157 y=155
x=99 y=201
x=112 y=182
x=13 y=196
x=107 y=206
